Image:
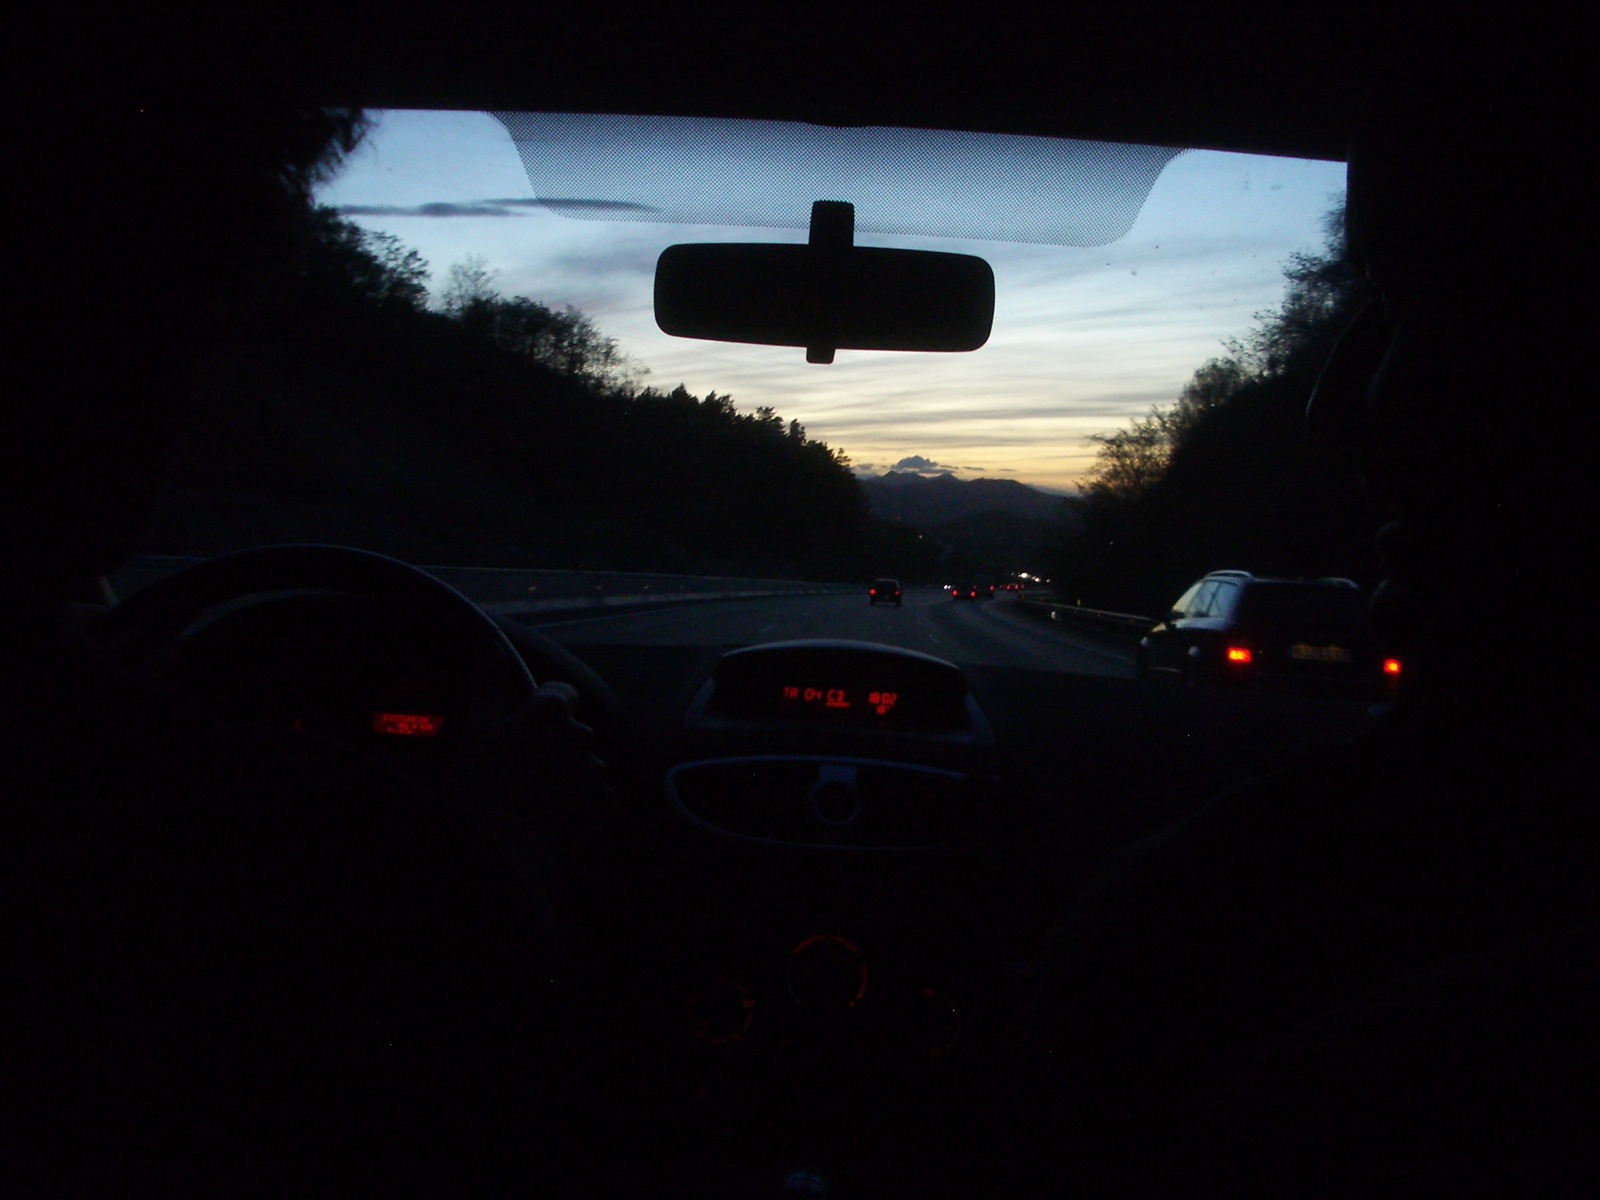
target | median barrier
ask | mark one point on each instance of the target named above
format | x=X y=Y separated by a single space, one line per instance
x=625 y=601
x=513 y=591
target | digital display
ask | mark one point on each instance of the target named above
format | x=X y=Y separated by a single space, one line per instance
x=407 y=724
x=840 y=684
x=881 y=701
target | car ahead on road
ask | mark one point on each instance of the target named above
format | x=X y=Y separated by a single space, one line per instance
x=967 y=591
x=884 y=591
x=1237 y=629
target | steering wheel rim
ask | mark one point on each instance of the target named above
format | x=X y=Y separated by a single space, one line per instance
x=382 y=838
x=158 y=614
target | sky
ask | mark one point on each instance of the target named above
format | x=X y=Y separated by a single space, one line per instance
x=1085 y=337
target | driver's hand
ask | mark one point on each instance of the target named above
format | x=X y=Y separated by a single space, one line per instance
x=539 y=765
x=575 y=771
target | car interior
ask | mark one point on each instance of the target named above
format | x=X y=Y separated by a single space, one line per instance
x=390 y=886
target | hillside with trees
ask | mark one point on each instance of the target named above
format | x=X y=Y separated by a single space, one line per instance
x=1225 y=476
x=493 y=430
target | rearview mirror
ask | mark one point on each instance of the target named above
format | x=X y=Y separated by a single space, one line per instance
x=827 y=295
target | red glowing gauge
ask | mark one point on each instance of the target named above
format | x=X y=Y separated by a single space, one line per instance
x=407 y=724
x=826 y=973
x=721 y=1012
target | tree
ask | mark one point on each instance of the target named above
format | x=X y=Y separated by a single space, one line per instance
x=572 y=344
x=1225 y=474
x=1131 y=460
x=468 y=284
x=1318 y=302
x=1209 y=388
x=402 y=272
x=373 y=268
x=567 y=342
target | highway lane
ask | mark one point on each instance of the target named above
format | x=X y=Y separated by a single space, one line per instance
x=1095 y=758
x=991 y=633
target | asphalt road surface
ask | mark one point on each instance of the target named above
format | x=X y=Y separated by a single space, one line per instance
x=1099 y=757
x=987 y=633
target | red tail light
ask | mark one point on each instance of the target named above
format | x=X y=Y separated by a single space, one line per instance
x=1239 y=655
x=1391 y=666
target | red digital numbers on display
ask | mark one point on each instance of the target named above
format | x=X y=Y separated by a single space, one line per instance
x=881 y=703
x=407 y=724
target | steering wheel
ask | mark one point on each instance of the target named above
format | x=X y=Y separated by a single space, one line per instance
x=373 y=934
x=158 y=614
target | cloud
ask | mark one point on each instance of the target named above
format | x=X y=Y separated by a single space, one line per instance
x=436 y=208
x=582 y=208
x=921 y=464
x=574 y=206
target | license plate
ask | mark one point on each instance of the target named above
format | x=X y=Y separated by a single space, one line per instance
x=1308 y=653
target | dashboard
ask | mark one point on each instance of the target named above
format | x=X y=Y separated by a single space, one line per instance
x=810 y=937
x=836 y=912
x=798 y=952
x=819 y=979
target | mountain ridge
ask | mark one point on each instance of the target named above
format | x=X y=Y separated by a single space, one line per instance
x=980 y=525
x=928 y=501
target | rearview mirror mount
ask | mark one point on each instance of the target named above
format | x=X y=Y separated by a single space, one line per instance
x=827 y=295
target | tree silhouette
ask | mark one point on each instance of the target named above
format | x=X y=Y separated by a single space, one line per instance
x=468 y=283
x=1225 y=476
x=366 y=268
x=493 y=430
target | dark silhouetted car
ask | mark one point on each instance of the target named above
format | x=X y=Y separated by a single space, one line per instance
x=1235 y=628
x=885 y=591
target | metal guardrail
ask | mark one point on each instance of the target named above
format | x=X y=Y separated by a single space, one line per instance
x=510 y=590
x=1124 y=625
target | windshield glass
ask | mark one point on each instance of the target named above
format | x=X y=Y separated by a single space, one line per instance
x=1292 y=604
x=467 y=373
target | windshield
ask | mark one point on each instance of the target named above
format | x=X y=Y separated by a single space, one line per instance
x=467 y=373
x=1289 y=604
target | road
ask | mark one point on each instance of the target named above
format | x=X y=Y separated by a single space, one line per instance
x=990 y=633
x=1066 y=710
